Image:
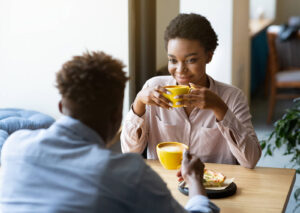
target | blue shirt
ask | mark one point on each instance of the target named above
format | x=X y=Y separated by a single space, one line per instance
x=66 y=168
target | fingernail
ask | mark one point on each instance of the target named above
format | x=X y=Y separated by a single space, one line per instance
x=170 y=104
x=178 y=103
x=168 y=92
x=176 y=97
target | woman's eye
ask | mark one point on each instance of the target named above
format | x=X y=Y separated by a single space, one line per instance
x=190 y=61
x=172 y=61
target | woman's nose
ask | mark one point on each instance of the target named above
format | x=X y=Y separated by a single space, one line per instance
x=181 y=68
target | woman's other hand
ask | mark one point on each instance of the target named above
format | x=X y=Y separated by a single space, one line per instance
x=151 y=96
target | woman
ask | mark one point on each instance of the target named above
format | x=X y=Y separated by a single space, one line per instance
x=215 y=122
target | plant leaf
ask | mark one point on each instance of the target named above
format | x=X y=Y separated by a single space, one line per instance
x=278 y=142
x=263 y=144
x=271 y=136
x=269 y=151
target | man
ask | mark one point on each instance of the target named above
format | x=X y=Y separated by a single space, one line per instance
x=68 y=168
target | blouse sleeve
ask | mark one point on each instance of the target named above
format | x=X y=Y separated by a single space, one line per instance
x=237 y=128
x=131 y=141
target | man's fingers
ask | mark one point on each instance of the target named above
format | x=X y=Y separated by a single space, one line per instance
x=186 y=155
x=180 y=179
x=195 y=160
x=197 y=164
x=185 y=159
x=178 y=174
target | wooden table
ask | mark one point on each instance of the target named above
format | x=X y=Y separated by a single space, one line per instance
x=258 y=190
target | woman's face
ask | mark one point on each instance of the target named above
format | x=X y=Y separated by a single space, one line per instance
x=187 y=61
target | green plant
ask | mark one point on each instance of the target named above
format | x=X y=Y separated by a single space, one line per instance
x=287 y=135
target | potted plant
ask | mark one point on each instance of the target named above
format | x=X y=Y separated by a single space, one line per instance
x=286 y=135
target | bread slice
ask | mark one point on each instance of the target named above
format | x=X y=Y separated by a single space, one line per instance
x=212 y=178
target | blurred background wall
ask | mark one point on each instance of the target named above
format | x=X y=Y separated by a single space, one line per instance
x=37 y=37
x=286 y=9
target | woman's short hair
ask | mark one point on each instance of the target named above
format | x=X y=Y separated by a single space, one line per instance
x=93 y=81
x=192 y=27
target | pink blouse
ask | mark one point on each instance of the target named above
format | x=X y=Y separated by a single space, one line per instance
x=205 y=136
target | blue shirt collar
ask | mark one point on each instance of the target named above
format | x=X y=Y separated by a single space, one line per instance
x=80 y=129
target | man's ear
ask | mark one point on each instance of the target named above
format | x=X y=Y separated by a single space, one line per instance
x=209 y=56
x=60 y=106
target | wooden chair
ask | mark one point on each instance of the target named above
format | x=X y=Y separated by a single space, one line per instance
x=283 y=67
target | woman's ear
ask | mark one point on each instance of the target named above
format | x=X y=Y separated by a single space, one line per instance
x=209 y=56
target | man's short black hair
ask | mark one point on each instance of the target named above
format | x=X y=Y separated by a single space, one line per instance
x=94 y=82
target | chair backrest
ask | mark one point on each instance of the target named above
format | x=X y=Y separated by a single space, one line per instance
x=283 y=55
x=288 y=53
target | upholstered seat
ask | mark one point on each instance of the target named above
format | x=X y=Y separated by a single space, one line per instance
x=288 y=76
x=12 y=120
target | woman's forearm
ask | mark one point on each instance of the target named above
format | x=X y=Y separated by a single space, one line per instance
x=138 y=107
x=220 y=110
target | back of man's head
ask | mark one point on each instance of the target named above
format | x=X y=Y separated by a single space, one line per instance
x=92 y=88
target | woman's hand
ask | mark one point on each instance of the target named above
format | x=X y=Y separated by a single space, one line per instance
x=151 y=96
x=204 y=98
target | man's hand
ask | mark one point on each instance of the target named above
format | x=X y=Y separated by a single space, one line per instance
x=192 y=170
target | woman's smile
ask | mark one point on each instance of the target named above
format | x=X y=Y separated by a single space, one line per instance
x=182 y=79
x=187 y=61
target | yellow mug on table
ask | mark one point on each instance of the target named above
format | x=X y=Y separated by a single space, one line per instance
x=176 y=90
x=170 y=154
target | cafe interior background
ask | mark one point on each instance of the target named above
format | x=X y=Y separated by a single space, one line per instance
x=36 y=37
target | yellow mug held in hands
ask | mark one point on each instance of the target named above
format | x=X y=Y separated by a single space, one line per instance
x=170 y=154
x=176 y=90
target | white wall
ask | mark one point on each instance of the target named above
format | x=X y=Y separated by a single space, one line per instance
x=166 y=10
x=267 y=7
x=37 y=37
x=219 y=13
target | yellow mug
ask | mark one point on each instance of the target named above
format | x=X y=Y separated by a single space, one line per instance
x=176 y=90
x=170 y=154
